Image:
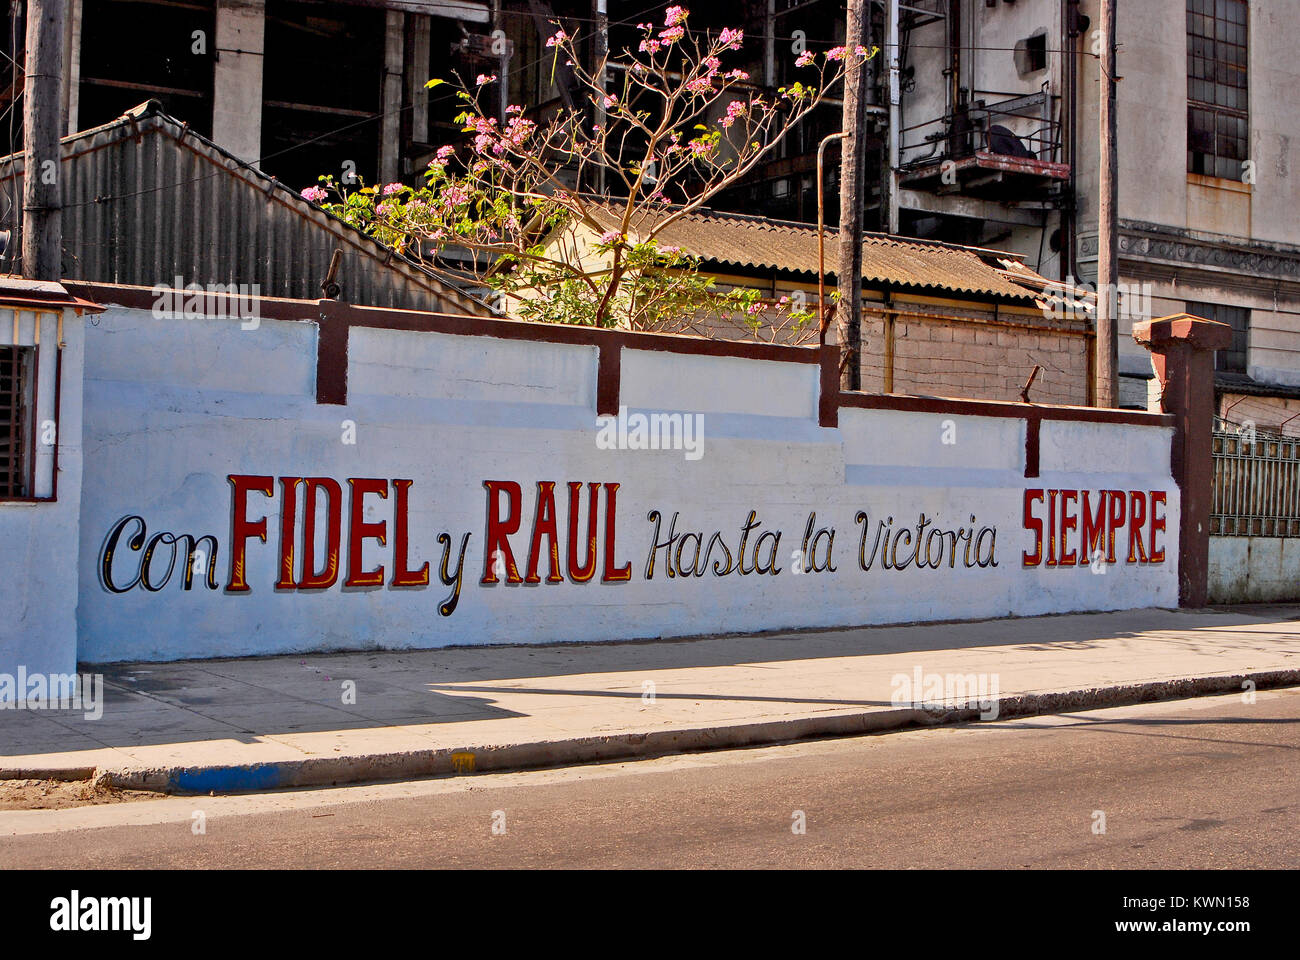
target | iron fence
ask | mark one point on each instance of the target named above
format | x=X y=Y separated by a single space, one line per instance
x=1256 y=490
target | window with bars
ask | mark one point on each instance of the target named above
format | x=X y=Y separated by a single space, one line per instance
x=1218 y=121
x=16 y=382
x=1232 y=360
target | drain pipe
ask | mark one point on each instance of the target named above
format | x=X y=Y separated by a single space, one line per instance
x=822 y=315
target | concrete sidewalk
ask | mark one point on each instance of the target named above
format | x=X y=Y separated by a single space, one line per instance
x=225 y=725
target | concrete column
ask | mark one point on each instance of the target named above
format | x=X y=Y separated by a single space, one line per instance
x=72 y=67
x=1182 y=356
x=237 y=77
x=421 y=29
x=390 y=130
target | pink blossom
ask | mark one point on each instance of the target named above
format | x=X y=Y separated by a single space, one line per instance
x=484 y=78
x=805 y=58
x=731 y=39
x=384 y=209
x=673 y=16
x=514 y=108
x=735 y=109
x=650 y=46
x=391 y=188
x=699 y=85
x=736 y=75
x=861 y=51
x=559 y=38
x=672 y=34
x=610 y=101
x=315 y=194
x=835 y=53
x=445 y=152
x=754 y=308
x=611 y=236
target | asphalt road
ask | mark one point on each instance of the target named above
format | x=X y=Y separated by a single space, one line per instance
x=1191 y=784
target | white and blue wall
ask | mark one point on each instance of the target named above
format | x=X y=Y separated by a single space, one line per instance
x=177 y=406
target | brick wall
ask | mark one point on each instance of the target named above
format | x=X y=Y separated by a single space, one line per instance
x=1266 y=413
x=978 y=361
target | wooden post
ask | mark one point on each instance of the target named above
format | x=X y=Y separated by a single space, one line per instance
x=848 y=314
x=42 y=122
x=1107 y=236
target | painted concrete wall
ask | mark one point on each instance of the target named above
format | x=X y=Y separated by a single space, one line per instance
x=38 y=562
x=1254 y=569
x=450 y=413
x=237 y=77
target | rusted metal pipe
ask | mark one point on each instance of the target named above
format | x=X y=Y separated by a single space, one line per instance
x=821 y=234
x=1033 y=375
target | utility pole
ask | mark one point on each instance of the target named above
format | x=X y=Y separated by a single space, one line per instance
x=599 y=54
x=889 y=184
x=1107 y=352
x=42 y=120
x=848 y=314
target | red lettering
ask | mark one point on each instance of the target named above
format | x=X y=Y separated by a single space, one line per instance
x=402 y=575
x=584 y=572
x=612 y=575
x=1051 y=527
x=1068 y=523
x=1036 y=525
x=326 y=577
x=1093 y=533
x=288 y=525
x=359 y=530
x=1136 y=518
x=544 y=525
x=241 y=528
x=1116 y=516
x=1157 y=525
x=496 y=546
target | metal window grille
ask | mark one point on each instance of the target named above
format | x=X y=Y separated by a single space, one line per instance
x=1256 y=486
x=15 y=420
x=1218 y=126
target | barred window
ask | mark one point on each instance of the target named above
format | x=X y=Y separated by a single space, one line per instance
x=1218 y=125
x=16 y=381
x=1232 y=360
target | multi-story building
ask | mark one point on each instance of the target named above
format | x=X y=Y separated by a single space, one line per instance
x=994 y=126
x=1000 y=147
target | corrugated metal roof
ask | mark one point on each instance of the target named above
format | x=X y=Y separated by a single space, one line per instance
x=727 y=238
x=147 y=200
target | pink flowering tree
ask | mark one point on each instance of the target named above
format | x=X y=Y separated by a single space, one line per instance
x=517 y=210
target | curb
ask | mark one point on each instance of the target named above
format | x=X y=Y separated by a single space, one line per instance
x=444 y=761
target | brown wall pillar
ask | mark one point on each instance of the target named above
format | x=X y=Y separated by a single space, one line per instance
x=1182 y=354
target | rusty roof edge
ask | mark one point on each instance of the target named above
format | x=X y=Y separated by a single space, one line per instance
x=23 y=294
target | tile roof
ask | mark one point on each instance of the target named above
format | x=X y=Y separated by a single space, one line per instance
x=728 y=238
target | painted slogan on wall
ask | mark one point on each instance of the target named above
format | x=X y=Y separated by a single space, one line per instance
x=573 y=533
